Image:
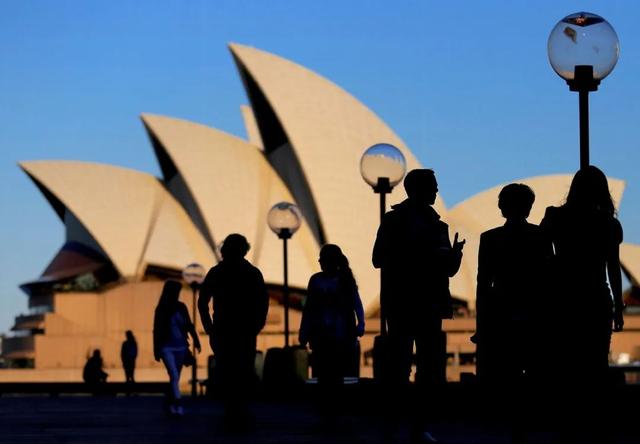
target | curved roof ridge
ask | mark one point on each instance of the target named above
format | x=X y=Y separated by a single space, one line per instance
x=234 y=186
x=325 y=130
x=120 y=208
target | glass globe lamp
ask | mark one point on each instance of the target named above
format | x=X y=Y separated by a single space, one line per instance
x=580 y=40
x=383 y=164
x=284 y=219
x=193 y=274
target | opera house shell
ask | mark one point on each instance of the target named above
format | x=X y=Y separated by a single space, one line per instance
x=127 y=231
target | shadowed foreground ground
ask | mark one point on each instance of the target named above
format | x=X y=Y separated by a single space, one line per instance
x=140 y=419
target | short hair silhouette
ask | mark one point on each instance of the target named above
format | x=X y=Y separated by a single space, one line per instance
x=590 y=190
x=515 y=201
x=417 y=181
x=235 y=246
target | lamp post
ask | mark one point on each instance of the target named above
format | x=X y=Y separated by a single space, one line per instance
x=382 y=166
x=284 y=219
x=583 y=49
x=193 y=274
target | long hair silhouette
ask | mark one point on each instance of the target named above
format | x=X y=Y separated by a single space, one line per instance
x=590 y=190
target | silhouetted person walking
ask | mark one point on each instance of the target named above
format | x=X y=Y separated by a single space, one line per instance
x=586 y=236
x=128 y=355
x=240 y=304
x=93 y=374
x=510 y=304
x=333 y=317
x=416 y=257
x=171 y=327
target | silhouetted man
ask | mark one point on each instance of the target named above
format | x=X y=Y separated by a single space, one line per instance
x=416 y=257
x=512 y=263
x=511 y=299
x=128 y=355
x=240 y=304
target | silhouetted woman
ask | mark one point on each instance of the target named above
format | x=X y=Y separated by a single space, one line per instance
x=333 y=317
x=586 y=237
x=171 y=327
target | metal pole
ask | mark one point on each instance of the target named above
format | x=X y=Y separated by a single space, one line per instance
x=383 y=319
x=194 y=367
x=286 y=293
x=583 y=95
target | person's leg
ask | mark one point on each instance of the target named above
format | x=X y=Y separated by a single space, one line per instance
x=430 y=379
x=173 y=362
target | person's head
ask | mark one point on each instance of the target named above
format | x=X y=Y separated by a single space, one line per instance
x=515 y=201
x=96 y=354
x=590 y=190
x=332 y=259
x=170 y=293
x=129 y=335
x=421 y=186
x=234 y=247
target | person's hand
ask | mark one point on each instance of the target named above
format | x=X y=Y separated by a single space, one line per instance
x=458 y=245
x=618 y=319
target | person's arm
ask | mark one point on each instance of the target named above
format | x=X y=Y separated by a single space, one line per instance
x=359 y=311
x=615 y=279
x=204 y=296
x=263 y=302
x=307 y=312
x=483 y=285
x=455 y=258
x=156 y=336
x=191 y=328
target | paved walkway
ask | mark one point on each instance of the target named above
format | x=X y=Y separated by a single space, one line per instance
x=141 y=419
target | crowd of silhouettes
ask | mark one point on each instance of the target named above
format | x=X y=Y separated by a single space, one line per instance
x=541 y=290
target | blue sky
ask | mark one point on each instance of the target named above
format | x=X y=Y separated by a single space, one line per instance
x=465 y=84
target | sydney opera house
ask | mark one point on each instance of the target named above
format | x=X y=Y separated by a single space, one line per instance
x=127 y=231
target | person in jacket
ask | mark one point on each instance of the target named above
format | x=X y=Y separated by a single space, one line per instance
x=171 y=328
x=333 y=318
x=240 y=305
x=511 y=295
x=511 y=302
x=416 y=259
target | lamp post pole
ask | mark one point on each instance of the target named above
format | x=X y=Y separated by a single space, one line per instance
x=193 y=275
x=284 y=219
x=285 y=234
x=382 y=187
x=194 y=368
x=583 y=82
